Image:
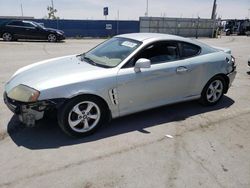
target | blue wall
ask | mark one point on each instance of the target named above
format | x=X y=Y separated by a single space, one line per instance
x=89 y=28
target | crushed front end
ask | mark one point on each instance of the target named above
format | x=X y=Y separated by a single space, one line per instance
x=29 y=112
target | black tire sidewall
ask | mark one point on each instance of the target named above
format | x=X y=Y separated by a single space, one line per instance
x=203 y=98
x=66 y=108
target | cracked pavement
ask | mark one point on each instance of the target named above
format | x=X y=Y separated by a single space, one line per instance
x=210 y=145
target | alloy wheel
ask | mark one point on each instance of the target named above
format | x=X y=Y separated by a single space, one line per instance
x=51 y=38
x=7 y=37
x=214 y=91
x=84 y=116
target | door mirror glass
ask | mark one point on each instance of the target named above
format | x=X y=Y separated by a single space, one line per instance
x=142 y=63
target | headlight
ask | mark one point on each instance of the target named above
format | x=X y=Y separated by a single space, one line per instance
x=59 y=33
x=24 y=94
x=233 y=59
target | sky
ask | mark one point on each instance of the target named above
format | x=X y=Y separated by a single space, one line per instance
x=128 y=9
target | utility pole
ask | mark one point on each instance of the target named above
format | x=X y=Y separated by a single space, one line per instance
x=22 y=9
x=146 y=13
x=21 y=6
x=213 y=16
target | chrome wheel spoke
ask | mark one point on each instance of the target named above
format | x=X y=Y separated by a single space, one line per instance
x=90 y=106
x=75 y=122
x=214 y=97
x=218 y=90
x=86 y=124
x=93 y=116
x=216 y=84
x=77 y=110
x=209 y=95
x=211 y=87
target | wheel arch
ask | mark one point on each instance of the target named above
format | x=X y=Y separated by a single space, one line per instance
x=91 y=95
x=226 y=79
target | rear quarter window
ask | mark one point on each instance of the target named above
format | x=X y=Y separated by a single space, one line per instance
x=189 y=50
x=15 y=23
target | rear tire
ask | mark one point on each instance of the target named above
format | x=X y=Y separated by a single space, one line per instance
x=82 y=116
x=213 y=91
x=7 y=36
x=228 y=33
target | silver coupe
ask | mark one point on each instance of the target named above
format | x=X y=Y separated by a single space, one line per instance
x=123 y=75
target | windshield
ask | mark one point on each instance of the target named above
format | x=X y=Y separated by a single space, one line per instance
x=38 y=25
x=112 y=52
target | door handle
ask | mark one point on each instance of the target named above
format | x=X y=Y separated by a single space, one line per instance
x=181 y=69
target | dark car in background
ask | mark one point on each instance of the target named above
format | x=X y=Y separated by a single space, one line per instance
x=22 y=29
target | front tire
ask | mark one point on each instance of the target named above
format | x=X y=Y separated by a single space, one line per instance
x=7 y=36
x=52 y=38
x=82 y=116
x=213 y=91
x=228 y=33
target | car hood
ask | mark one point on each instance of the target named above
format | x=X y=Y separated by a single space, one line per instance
x=54 y=30
x=54 y=73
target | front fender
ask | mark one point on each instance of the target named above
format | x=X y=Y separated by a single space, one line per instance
x=99 y=87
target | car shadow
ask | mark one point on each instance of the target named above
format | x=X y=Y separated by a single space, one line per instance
x=47 y=133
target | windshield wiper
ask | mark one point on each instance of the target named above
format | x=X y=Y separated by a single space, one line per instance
x=90 y=61
x=83 y=57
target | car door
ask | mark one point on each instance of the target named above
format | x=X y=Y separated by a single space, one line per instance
x=16 y=28
x=30 y=30
x=164 y=82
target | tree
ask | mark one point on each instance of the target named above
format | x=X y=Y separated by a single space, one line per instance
x=51 y=13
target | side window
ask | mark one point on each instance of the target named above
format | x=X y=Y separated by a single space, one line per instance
x=189 y=50
x=15 y=23
x=27 y=24
x=159 y=52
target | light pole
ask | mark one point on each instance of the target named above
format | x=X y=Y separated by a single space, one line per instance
x=117 y=25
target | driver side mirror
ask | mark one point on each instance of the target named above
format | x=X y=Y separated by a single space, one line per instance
x=142 y=63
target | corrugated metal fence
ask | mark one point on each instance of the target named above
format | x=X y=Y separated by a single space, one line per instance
x=187 y=27
x=90 y=28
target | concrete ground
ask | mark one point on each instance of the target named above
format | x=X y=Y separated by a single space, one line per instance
x=210 y=146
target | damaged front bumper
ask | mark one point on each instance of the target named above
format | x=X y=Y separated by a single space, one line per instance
x=29 y=113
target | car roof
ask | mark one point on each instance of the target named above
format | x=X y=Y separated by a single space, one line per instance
x=149 y=37
x=153 y=36
x=20 y=21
